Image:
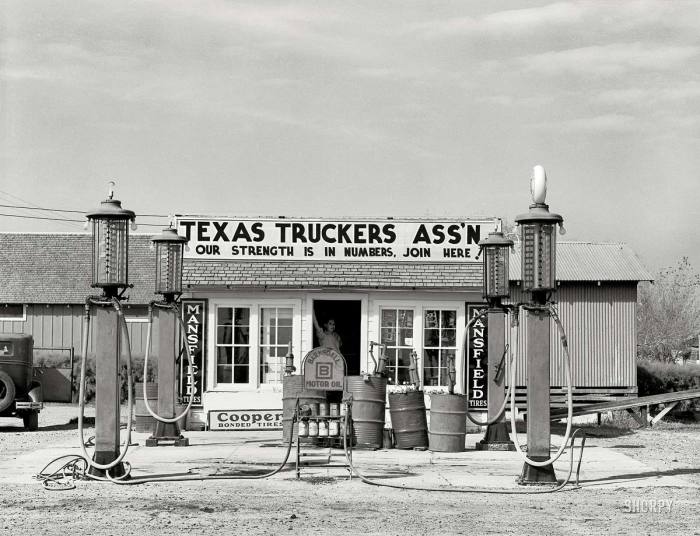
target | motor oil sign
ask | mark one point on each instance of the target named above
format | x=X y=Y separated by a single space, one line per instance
x=324 y=369
x=246 y=419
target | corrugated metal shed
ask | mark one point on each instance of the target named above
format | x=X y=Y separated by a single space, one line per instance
x=591 y=261
x=601 y=329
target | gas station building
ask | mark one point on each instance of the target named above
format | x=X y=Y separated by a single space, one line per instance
x=252 y=288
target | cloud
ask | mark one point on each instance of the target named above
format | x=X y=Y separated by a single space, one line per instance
x=610 y=60
x=600 y=123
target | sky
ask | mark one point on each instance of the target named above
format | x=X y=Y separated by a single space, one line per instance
x=347 y=109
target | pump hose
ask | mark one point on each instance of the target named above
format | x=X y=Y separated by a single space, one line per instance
x=148 y=351
x=569 y=400
x=348 y=456
x=497 y=417
x=81 y=396
x=76 y=468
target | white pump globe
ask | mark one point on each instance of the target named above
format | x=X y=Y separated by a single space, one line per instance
x=538 y=184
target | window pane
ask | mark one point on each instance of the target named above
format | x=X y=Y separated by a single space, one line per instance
x=240 y=374
x=405 y=337
x=388 y=318
x=241 y=334
x=224 y=355
x=224 y=316
x=242 y=316
x=449 y=319
x=240 y=355
x=406 y=319
x=387 y=336
x=449 y=337
x=431 y=319
x=404 y=357
x=431 y=358
x=431 y=376
x=285 y=316
x=223 y=374
x=432 y=337
x=404 y=377
x=223 y=335
x=284 y=336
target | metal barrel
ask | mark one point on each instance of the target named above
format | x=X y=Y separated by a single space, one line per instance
x=368 y=407
x=448 y=422
x=293 y=388
x=143 y=421
x=408 y=419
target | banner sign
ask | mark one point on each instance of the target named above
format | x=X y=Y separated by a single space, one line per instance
x=324 y=369
x=478 y=358
x=246 y=419
x=194 y=315
x=324 y=240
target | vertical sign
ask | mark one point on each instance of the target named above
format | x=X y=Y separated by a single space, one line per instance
x=194 y=314
x=477 y=353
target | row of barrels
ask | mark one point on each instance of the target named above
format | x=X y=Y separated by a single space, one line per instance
x=407 y=410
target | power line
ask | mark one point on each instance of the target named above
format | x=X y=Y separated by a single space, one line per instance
x=66 y=220
x=73 y=211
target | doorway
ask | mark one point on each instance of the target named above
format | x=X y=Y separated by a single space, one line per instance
x=348 y=324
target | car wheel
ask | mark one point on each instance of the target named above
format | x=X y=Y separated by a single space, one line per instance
x=7 y=390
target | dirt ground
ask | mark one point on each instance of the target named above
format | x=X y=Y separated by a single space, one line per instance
x=334 y=505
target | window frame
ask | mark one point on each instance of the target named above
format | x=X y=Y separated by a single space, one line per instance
x=255 y=305
x=4 y=318
x=419 y=307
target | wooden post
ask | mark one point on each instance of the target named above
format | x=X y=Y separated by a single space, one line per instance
x=164 y=322
x=538 y=424
x=108 y=344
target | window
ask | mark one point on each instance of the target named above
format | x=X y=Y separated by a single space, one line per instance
x=397 y=333
x=439 y=345
x=232 y=345
x=275 y=337
x=136 y=313
x=13 y=312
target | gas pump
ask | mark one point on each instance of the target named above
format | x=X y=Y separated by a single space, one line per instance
x=538 y=256
x=169 y=248
x=495 y=251
x=110 y=252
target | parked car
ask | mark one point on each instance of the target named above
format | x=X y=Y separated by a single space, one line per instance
x=20 y=393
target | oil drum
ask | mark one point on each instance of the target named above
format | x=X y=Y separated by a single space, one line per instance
x=143 y=421
x=368 y=406
x=448 y=422
x=408 y=419
x=293 y=388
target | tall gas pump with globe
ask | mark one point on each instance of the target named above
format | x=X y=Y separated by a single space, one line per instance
x=110 y=272
x=538 y=265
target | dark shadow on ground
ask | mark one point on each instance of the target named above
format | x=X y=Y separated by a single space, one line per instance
x=643 y=475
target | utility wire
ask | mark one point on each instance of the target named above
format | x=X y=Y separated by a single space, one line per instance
x=66 y=220
x=75 y=211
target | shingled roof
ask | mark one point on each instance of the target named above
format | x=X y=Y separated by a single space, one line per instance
x=55 y=268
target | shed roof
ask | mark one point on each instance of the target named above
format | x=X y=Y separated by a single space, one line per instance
x=591 y=261
x=55 y=268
